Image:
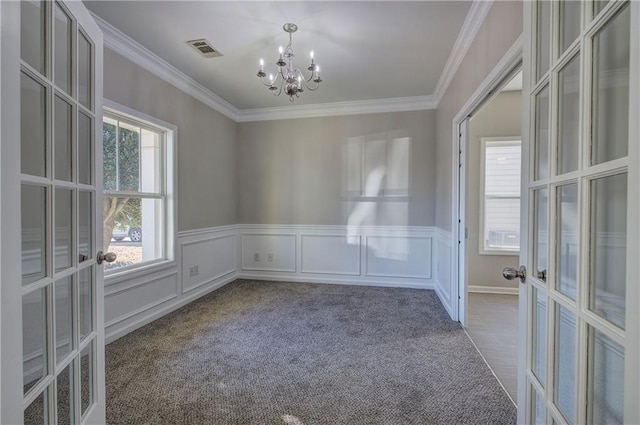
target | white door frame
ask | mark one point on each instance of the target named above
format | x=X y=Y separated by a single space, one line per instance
x=511 y=59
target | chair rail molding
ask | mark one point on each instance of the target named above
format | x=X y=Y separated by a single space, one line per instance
x=207 y=259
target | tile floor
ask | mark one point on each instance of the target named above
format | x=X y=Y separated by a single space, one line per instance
x=493 y=327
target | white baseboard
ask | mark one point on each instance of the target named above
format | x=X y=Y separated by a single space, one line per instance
x=493 y=290
x=154 y=314
x=207 y=259
x=335 y=281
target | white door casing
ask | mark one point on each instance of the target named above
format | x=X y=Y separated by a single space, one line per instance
x=461 y=246
x=70 y=74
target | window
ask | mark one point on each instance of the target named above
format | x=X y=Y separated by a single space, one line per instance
x=500 y=196
x=138 y=176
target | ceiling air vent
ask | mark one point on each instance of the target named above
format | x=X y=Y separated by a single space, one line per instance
x=203 y=47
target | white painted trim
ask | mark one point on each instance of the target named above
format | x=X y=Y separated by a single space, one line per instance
x=146 y=310
x=403 y=276
x=354 y=233
x=112 y=335
x=140 y=281
x=304 y=270
x=137 y=272
x=508 y=61
x=124 y=45
x=337 y=281
x=208 y=236
x=493 y=290
x=398 y=104
x=142 y=309
x=346 y=229
x=169 y=165
x=208 y=230
x=484 y=141
x=445 y=238
x=472 y=23
x=209 y=281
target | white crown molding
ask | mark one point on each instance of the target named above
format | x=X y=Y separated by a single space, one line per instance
x=472 y=23
x=413 y=103
x=124 y=45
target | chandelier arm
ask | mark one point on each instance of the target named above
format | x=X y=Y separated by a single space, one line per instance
x=265 y=84
x=310 y=88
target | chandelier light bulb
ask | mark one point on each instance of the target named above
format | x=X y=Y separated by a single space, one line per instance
x=287 y=78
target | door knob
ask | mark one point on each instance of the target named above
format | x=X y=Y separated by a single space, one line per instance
x=109 y=257
x=510 y=273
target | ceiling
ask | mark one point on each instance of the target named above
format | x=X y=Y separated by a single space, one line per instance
x=366 y=49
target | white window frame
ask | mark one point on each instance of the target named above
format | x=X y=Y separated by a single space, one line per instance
x=494 y=141
x=112 y=109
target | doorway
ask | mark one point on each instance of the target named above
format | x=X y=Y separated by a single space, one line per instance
x=488 y=218
x=493 y=228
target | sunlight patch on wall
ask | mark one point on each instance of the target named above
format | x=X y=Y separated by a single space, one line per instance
x=375 y=187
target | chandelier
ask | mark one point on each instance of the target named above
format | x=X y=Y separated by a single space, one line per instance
x=288 y=79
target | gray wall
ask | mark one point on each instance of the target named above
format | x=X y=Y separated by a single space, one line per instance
x=206 y=143
x=501 y=117
x=501 y=28
x=298 y=171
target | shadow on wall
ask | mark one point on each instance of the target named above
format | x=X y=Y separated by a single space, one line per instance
x=375 y=188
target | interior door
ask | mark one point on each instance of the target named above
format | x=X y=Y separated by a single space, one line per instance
x=579 y=321
x=51 y=304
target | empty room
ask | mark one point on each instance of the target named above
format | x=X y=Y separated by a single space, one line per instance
x=319 y=212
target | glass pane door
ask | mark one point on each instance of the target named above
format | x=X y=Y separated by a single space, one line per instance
x=60 y=335
x=578 y=189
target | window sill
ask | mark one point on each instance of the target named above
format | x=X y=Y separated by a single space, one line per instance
x=499 y=253
x=112 y=278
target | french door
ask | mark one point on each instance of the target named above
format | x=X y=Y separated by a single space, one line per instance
x=51 y=299
x=580 y=207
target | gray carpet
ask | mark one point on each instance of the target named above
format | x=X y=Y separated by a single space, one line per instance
x=293 y=353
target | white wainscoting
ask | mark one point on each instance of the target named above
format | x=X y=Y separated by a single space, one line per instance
x=268 y=250
x=344 y=259
x=212 y=253
x=141 y=296
x=444 y=270
x=207 y=259
x=395 y=256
